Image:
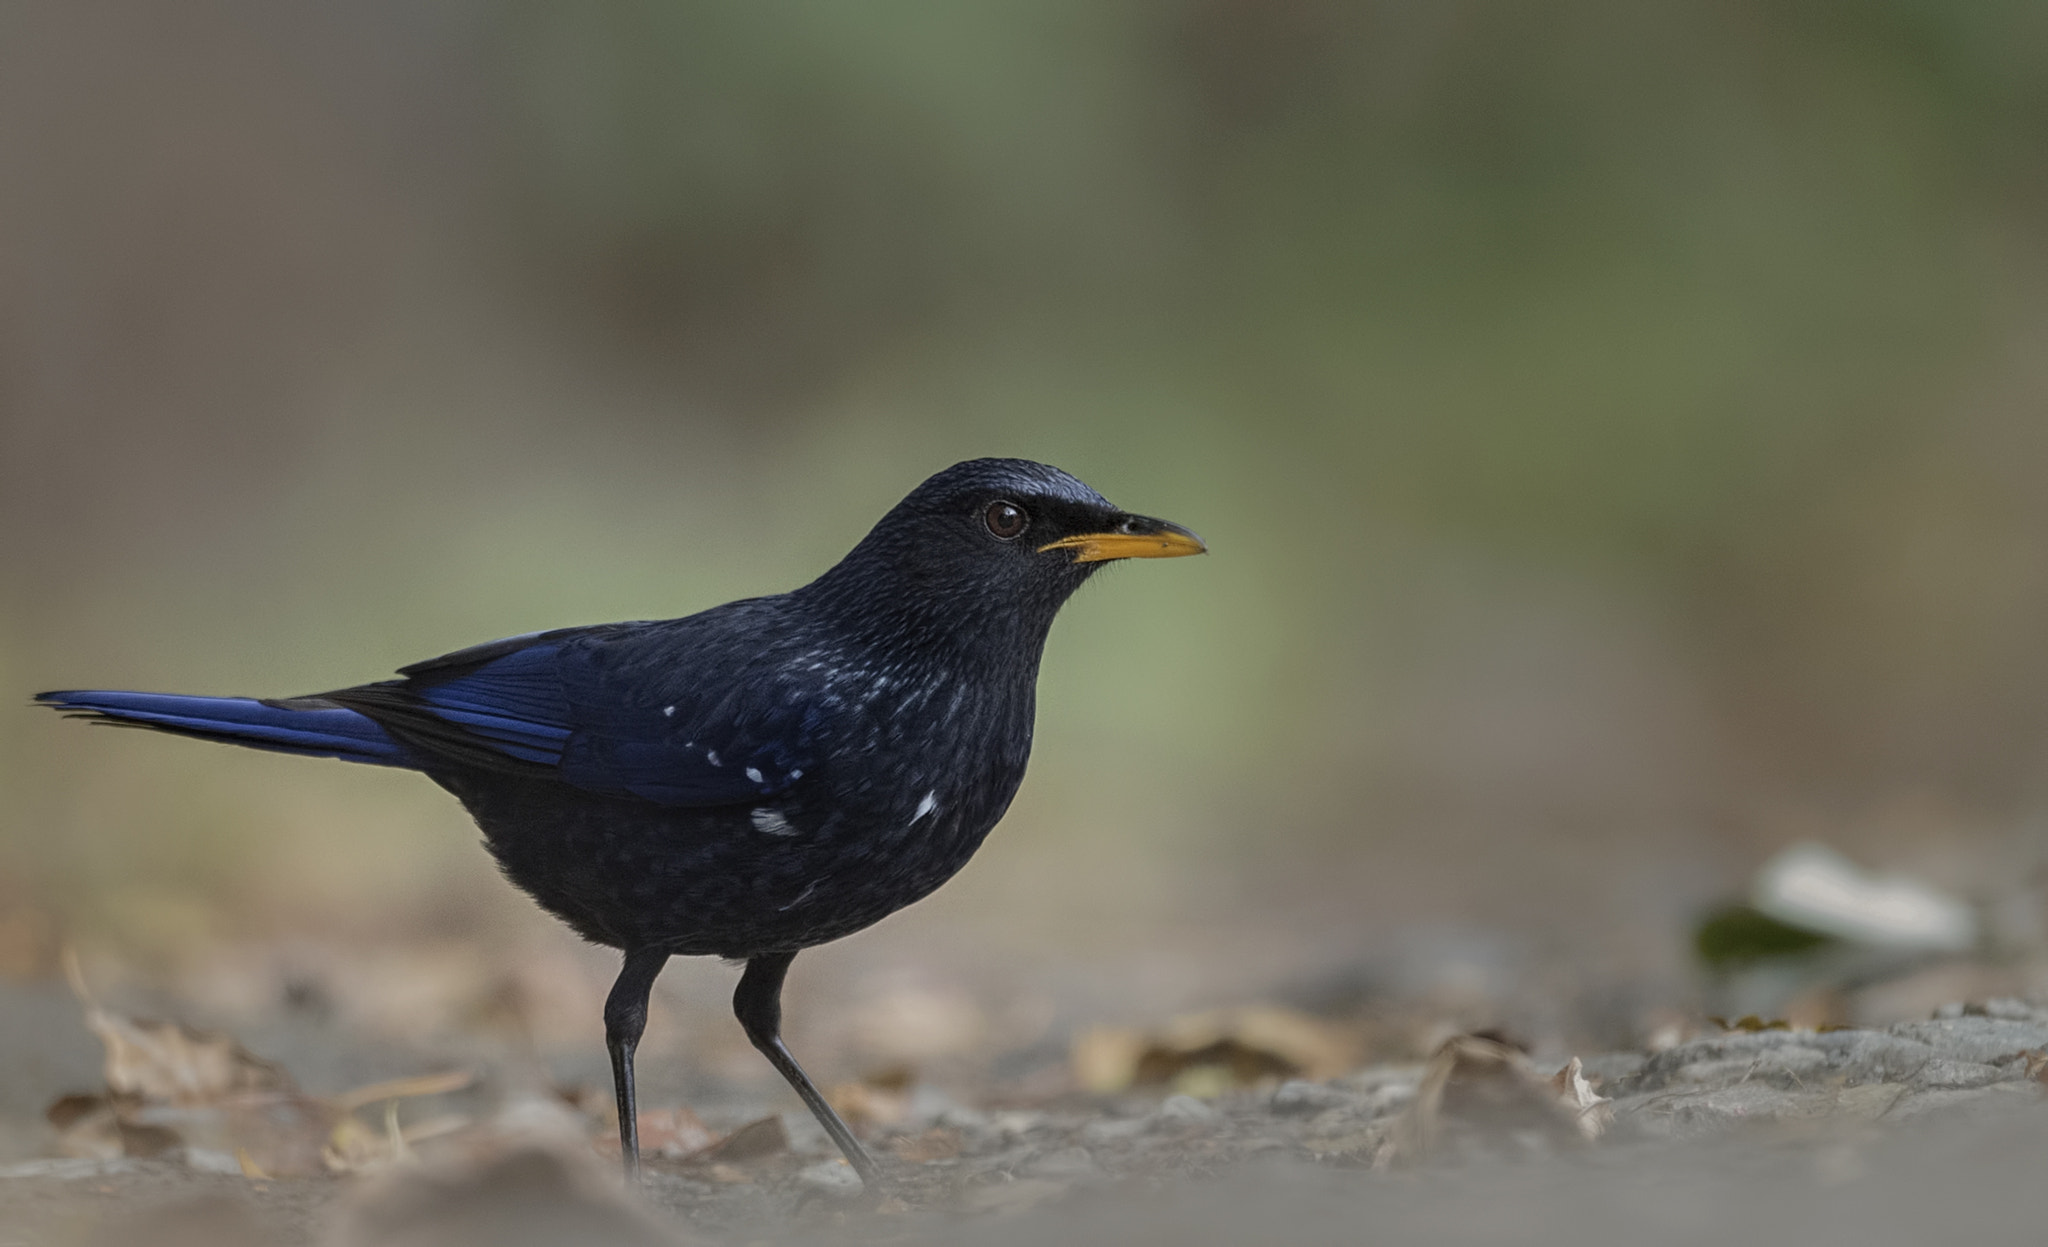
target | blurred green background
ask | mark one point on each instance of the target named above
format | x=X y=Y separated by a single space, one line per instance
x=1620 y=429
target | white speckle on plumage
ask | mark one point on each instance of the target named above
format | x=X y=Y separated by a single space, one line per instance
x=801 y=897
x=668 y=712
x=753 y=775
x=770 y=822
x=711 y=756
x=926 y=806
x=795 y=774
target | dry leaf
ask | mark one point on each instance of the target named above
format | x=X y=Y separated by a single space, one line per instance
x=752 y=1141
x=1751 y=1024
x=170 y=1087
x=881 y=1099
x=1491 y=1087
x=168 y=1063
x=1593 y=1112
x=1105 y=1059
x=404 y=1089
x=87 y=1127
x=354 y=1146
x=1214 y=1051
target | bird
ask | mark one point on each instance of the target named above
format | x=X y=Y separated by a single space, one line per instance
x=749 y=781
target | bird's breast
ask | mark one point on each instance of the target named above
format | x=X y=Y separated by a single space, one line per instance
x=917 y=756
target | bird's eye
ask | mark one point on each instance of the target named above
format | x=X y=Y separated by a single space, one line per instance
x=1005 y=519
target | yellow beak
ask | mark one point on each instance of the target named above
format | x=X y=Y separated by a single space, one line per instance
x=1135 y=538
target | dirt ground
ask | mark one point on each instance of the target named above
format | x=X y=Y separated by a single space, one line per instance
x=1263 y=1123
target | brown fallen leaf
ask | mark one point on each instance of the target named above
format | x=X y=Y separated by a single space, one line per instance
x=1751 y=1024
x=1595 y=1112
x=281 y=1132
x=881 y=1098
x=752 y=1141
x=172 y=1088
x=68 y=1110
x=404 y=1089
x=1105 y=1059
x=1214 y=1051
x=92 y=1127
x=353 y=1145
x=1490 y=1087
x=169 y=1063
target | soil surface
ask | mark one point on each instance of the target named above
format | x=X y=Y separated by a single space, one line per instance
x=1917 y=1132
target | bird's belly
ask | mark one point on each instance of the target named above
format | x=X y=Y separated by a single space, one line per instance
x=713 y=881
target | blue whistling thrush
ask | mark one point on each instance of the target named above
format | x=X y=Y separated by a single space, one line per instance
x=751 y=780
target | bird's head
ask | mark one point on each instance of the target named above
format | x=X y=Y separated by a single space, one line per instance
x=995 y=542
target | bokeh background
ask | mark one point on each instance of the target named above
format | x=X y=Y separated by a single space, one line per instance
x=1619 y=428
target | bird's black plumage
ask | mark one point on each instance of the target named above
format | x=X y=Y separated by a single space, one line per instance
x=748 y=781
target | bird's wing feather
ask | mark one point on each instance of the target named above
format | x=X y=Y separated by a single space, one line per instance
x=624 y=710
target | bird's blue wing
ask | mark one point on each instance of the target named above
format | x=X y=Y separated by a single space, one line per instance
x=623 y=710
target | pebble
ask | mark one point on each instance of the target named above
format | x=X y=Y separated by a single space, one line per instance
x=1017 y=1123
x=1386 y=1098
x=1113 y=1130
x=208 y=1160
x=1298 y=1098
x=1186 y=1110
x=832 y=1177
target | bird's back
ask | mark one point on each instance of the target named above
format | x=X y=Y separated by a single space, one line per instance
x=869 y=778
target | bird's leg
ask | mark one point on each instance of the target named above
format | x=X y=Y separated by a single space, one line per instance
x=758 y=1005
x=625 y=1017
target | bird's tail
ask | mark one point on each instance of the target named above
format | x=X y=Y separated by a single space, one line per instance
x=306 y=725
